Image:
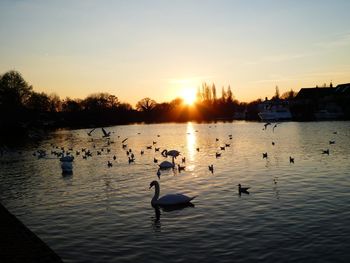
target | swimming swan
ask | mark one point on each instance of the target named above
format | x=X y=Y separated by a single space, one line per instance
x=169 y=199
x=166 y=165
x=172 y=153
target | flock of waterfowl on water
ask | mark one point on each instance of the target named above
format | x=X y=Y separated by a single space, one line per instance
x=66 y=157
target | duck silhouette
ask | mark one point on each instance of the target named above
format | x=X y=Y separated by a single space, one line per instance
x=242 y=189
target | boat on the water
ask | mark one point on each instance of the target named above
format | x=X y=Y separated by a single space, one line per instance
x=274 y=110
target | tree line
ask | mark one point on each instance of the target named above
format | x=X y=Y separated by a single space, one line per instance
x=22 y=108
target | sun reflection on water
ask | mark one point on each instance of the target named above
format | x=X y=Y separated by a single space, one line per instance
x=191 y=141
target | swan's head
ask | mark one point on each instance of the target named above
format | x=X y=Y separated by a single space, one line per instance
x=152 y=184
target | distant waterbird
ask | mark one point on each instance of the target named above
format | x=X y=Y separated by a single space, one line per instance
x=89 y=133
x=273 y=128
x=217 y=155
x=105 y=133
x=264 y=155
x=266 y=124
x=331 y=142
x=291 y=159
x=181 y=168
x=325 y=151
x=242 y=189
x=211 y=168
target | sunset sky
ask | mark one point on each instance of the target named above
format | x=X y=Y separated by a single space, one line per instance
x=158 y=49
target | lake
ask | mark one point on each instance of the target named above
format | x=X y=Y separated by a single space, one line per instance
x=295 y=212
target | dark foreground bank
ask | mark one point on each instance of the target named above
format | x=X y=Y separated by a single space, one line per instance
x=19 y=244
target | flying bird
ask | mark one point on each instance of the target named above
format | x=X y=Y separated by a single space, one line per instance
x=105 y=133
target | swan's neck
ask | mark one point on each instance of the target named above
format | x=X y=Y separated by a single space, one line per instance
x=156 y=194
x=173 y=159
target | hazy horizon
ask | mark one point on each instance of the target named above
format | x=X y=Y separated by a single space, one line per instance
x=158 y=49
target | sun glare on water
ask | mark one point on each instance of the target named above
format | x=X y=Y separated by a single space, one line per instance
x=189 y=95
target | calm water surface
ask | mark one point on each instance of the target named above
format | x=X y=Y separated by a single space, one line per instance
x=295 y=212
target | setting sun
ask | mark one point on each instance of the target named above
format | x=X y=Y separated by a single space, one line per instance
x=189 y=95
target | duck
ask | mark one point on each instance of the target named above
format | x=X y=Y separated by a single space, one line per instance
x=325 y=151
x=169 y=199
x=183 y=159
x=291 y=159
x=109 y=164
x=264 y=155
x=242 y=189
x=211 y=168
x=181 y=168
x=217 y=155
x=331 y=142
x=131 y=160
x=155 y=160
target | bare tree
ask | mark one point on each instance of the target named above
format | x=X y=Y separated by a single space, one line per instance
x=146 y=105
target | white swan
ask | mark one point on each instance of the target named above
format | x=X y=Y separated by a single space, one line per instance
x=173 y=153
x=169 y=199
x=67 y=158
x=166 y=165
